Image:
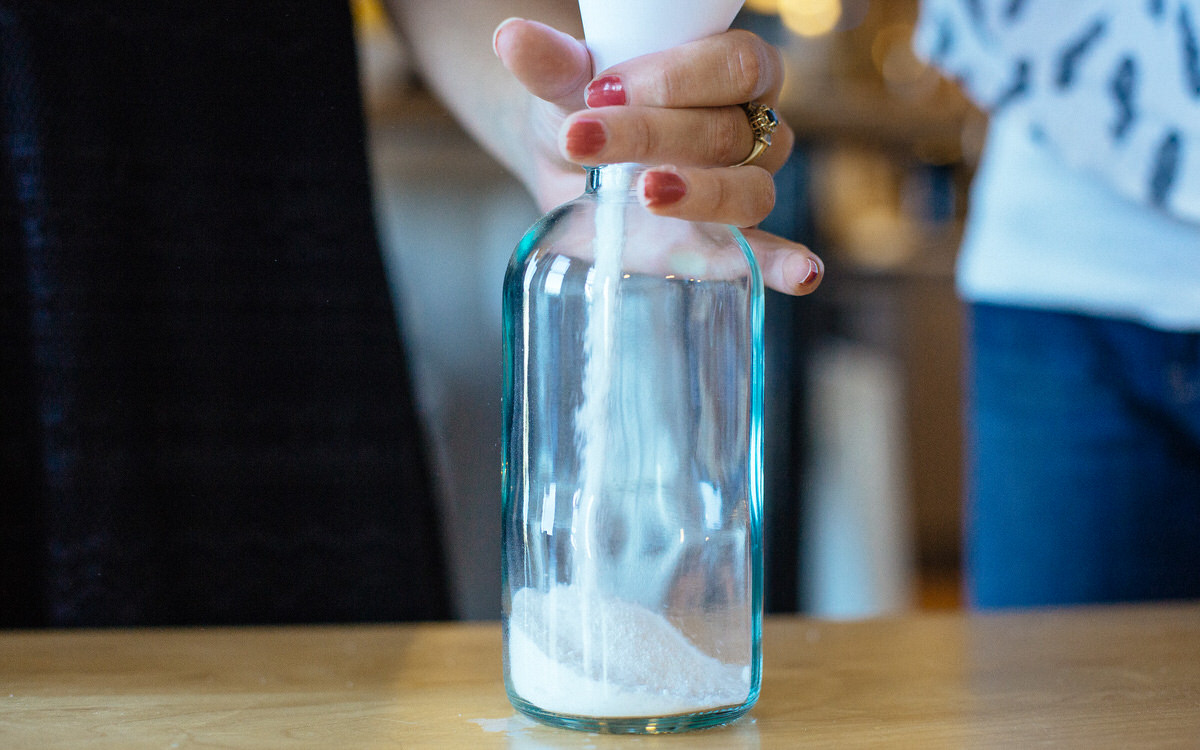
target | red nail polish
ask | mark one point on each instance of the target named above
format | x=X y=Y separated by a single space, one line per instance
x=814 y=271
x=663 y=188
x=606 y=91
x=585 y=138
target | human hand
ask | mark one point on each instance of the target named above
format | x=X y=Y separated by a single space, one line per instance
x=675 y=110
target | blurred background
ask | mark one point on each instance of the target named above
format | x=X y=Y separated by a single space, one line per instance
x=863 y=378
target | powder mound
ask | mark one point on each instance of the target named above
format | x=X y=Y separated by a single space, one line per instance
x=589 y=655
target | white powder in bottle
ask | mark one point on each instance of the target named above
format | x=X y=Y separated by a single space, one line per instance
x=570 y=653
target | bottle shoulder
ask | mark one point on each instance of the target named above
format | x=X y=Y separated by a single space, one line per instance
x=590 y=229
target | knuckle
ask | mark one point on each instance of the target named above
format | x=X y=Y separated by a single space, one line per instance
x=672 y=85
x=744 y=75
x=782 y=144
x=784 y=137
x=760 y=198
x=719 y=197
x=728 y=137
x=773 y=63
x=642 y=140
x=749 y=64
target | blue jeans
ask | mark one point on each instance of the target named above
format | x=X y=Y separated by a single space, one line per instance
x=1083 y=460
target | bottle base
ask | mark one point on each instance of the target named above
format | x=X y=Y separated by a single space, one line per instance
x=635 y=724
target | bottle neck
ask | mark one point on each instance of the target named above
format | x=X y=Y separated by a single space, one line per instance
x=613 y=180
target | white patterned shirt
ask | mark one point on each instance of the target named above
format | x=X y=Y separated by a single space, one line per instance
x=1088 y=198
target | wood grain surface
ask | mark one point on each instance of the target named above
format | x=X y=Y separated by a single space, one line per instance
x=1124 y=677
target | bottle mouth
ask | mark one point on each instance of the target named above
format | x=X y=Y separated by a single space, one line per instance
x=614 y=178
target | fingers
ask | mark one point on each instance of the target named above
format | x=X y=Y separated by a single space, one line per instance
x=712 y=137
x=728 y=68
x=741 y=196
x=786 y=266
x=640 y=108
x=554 y=68
x=552 y=65
x=675 y=107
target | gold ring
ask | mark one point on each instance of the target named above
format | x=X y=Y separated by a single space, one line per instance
x=763 y=122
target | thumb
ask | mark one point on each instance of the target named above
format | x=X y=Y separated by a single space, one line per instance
x=551 y=65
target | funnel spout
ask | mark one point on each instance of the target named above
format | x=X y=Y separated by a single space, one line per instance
x=618 y=30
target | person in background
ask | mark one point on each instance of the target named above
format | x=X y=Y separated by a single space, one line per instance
x=1081 y=267
x=205 y=413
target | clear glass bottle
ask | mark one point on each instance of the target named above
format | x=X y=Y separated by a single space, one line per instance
x=632 y=467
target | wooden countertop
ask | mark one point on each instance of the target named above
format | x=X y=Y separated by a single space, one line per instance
x=1087 y=678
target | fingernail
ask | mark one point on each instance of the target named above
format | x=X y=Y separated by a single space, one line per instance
x=606 y=91
x=814 y=270
x=662 y=188
x=800 y=272
x=496 y=33
x=585 y=138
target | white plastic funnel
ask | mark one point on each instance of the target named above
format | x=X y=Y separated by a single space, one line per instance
x=617 y=30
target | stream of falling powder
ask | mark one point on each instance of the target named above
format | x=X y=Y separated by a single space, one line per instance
x=592 y=418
